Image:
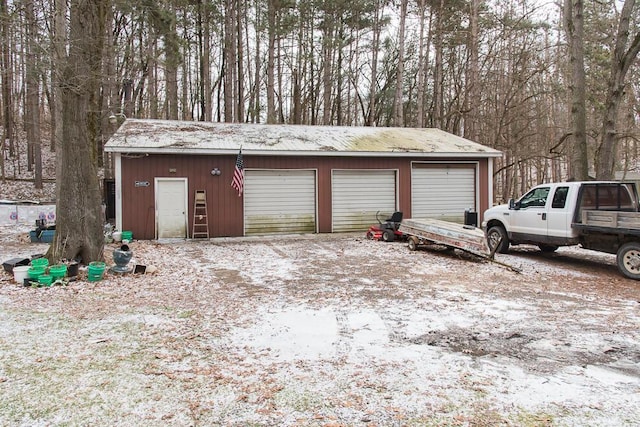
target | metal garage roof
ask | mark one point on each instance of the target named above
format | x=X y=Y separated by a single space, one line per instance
x=182 y=137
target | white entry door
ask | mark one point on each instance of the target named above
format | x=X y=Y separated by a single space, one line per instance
x=171 y=207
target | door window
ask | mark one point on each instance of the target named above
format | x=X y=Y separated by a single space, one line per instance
x=560 y=198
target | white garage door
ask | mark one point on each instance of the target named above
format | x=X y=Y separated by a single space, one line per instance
x=356 y=196
x=442 y=192
x=279 y=201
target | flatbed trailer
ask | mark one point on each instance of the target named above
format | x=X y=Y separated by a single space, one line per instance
x=467 y=238
x=434 y=231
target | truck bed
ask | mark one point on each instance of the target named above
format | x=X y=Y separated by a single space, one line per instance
x=610 y=221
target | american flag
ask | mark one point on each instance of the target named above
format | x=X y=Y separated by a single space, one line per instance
x=238 y=174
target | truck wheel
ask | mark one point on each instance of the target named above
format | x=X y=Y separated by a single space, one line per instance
x=629 y=260
x=388 y=236
x=413 y=243
x=497 y=238
x=548 y=248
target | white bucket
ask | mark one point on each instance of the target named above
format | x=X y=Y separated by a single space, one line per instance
x=117 y=236
x=20 y=272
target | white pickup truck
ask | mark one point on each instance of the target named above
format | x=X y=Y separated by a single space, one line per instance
x=599 y=215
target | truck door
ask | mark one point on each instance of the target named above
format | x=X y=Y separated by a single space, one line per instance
x=558 y=215
x=530 y=218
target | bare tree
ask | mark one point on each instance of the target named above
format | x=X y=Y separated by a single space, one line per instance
x=79 y=212
x=472 y=92
x=622 y=57
x=438 y=79
x=230 y=60
x=59 y=43
x=271 y=60
x=378 y=24
x=7 y=78
x=423 y=61
x=398 y=113
x=574 y=28
x=32 y=107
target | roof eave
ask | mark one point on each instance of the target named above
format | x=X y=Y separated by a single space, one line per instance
x=209 y=152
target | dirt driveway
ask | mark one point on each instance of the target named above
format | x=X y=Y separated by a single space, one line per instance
x=323 y=330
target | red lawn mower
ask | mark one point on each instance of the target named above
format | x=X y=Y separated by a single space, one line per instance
x=387 y=230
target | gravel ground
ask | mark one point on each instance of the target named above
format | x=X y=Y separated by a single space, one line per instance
x=322 y=330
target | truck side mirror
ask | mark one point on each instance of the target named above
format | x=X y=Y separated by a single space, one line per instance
x=513 y=204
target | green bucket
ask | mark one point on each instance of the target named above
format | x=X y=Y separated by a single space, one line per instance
x=95 y=271
x=35 y=272
x=127 y=235
x=58 y=271
x=39 y=262
x=45 y=279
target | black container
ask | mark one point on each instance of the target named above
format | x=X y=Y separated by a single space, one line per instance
x=72 y=269
x=9 y=264
x=470 y=218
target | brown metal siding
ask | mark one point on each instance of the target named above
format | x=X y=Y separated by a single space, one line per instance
x=138 y=203
x=484 y=183
x=225 y=208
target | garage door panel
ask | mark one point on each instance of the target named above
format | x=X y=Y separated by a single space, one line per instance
x=280 y=201
x=258 y=224
x=442 y=192
x=358 y=194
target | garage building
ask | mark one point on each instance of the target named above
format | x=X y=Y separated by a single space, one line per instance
x=297 y=179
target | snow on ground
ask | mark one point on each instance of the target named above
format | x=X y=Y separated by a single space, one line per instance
x=323 y=330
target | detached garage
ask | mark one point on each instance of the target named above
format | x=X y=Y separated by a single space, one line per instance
x=297 y=179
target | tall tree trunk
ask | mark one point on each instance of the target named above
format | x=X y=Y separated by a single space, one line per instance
x=79 y=212
x=32 y=110
x=204 y=55
x=7 y=78
x=59 y=52
x=152 y=49
x=254 y=107
x=229 y=60
x=127 y=98
x=297 y=75
x=423 y=60
x=172 y=61
x=621 y=59
x=574 y=27
x=109 y=97
x=328 y=31
x=398 y=111
x=472 y=93
x=240 y=13
x=375 y=47
x=438 y=79
x=272 y=30
x=186 y=108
